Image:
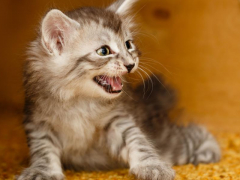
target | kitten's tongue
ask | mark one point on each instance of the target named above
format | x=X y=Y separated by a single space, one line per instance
x=115 y=82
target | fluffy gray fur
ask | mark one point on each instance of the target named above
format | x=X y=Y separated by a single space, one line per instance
x=72 y=122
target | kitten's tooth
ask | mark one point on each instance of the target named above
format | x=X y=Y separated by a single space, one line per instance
x=104 y=83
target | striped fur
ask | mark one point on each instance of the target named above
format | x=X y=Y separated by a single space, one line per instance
x=72 y=123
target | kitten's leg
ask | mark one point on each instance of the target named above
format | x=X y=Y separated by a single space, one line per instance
x=44 y=148
x=127 y=142
x=190 y=144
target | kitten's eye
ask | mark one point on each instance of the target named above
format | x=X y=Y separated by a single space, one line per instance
x=128 y=44
x=103 y=51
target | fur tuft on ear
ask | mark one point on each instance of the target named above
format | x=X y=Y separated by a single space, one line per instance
x=121 y=7
x=57 y=29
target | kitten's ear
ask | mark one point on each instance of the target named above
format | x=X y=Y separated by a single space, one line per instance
x=57 y=29
x=121 y=7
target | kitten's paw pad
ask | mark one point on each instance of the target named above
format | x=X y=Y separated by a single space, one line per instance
x=153 y=172
x=208 y=152
x=36 y=174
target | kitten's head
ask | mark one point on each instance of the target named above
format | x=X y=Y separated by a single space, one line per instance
x=86 y=51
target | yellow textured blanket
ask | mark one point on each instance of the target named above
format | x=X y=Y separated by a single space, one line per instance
x=14 y=157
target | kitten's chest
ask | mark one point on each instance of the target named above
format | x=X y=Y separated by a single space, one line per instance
x=79 y=130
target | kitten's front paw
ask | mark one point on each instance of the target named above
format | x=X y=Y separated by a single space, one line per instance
x=38 y=174
x=153 y=171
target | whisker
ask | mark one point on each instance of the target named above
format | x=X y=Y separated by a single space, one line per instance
x=149 y=79
x=158 y=80
x=133 y=78
x=121 y=77
x=146 y=64
x=154 y=38
x=129 y=20
x=128 y=95
x=155 y=61
x=144 y=86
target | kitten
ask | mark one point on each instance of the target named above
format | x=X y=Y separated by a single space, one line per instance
x=77 y=115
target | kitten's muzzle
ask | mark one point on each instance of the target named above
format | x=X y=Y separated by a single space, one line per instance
x=129 y=67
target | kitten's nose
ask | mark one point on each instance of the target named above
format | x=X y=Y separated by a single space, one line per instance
x=130 y=67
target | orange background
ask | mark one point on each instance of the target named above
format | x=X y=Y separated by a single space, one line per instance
x=197 y=41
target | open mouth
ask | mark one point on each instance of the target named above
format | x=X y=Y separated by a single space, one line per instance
x=109 y=84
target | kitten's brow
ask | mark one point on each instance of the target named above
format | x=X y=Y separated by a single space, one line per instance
x=104 y=38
